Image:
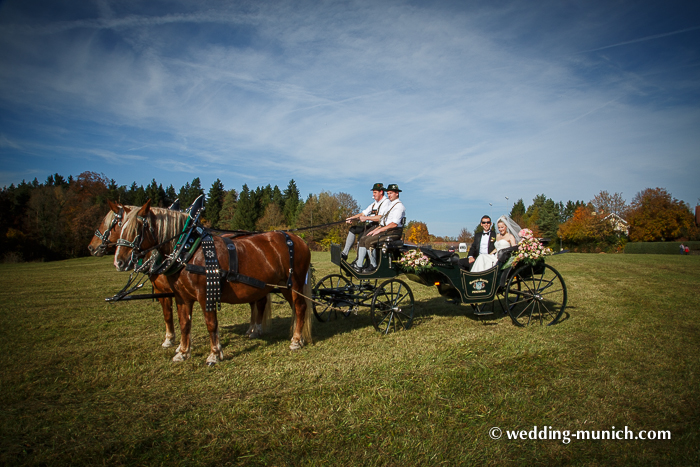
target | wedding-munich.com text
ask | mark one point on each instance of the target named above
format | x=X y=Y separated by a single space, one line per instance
x=565 y=436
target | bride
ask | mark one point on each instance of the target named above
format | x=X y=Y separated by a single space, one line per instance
x=507 y=237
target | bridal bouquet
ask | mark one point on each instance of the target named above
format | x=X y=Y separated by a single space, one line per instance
x=530 y=250
x=414 y=261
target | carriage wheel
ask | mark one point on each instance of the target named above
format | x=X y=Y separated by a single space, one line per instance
x=392 y=306
x=535 y=294
x=330 y=302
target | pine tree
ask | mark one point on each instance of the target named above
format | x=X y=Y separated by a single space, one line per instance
x=215 y=200
x=170 y=195
x=156 y=194
x=244 y=217
x=228 y=210
x=292 y=203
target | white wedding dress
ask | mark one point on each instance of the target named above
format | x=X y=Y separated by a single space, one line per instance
x=484 y=262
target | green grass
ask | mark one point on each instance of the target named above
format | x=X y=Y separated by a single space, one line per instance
x=660 y=248
x=86 y=382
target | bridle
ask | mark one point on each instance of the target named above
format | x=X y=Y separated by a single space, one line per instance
x=116 y=220
x=135 y=245
x=136 y=252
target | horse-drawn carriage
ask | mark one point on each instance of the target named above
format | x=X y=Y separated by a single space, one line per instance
x=186 y=261
x=528 y=293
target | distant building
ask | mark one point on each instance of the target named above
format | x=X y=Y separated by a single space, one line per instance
x=619 y=224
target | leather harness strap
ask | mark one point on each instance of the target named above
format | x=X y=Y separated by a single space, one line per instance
x=290 y=245
x=211 y=266
x=232 y=275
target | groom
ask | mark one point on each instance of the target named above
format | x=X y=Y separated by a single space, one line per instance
x=483 y=243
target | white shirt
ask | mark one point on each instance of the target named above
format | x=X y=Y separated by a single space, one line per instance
x=484 y=247
x=382 y=207
x=396 y=213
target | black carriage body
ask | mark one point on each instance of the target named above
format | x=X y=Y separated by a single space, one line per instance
x=532 y=293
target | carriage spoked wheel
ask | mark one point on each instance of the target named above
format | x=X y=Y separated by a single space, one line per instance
x=535 y=295
x=392 y=306
x=331 y=292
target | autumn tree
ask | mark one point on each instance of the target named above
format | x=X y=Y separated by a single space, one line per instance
x=273 y=219
x=465 y=236
x=656 y=216
x=587 y=231
x=567 y=211
x=417 y=233
x=606 y=203
x=86 y=205
x=327 y=208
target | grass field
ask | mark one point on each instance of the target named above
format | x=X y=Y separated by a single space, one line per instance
x=85 y=382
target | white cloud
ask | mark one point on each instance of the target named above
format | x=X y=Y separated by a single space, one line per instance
x=454 y=103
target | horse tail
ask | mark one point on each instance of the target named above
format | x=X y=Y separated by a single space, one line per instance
x=267 y=314
x=306 y=330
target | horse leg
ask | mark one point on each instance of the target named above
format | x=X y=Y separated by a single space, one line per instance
x=212 y=321
x=301 y=324
x=184 y=314
x=259 y=316
x=253 y=314
x=167 y=306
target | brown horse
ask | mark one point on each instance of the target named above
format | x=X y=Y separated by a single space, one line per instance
x=264 y=257
x=104 y=241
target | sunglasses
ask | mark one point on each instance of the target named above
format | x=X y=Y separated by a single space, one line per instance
x=486 y=223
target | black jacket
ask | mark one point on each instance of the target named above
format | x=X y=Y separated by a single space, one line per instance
x=476 y=246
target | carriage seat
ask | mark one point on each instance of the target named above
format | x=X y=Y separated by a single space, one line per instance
x=440 y=256
x=505 y=254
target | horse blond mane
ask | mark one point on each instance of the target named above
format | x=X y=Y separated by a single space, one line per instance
x=166 y=224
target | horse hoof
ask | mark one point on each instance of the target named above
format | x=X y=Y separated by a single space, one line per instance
x=167 y=344
x=210 y=364
x=180 y=357
x=254 y=335
x=296 y=345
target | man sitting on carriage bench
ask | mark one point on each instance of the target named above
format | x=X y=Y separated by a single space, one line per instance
x=390 y=228
x=369 y=218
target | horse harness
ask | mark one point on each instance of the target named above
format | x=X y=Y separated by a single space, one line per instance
x=215 y=276
x=195 y=236
x=116 y=220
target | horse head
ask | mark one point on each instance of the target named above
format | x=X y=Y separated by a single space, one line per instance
x=109 y=230
x=136 y=238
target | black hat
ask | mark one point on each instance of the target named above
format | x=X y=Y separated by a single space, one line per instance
x=393 y=187
x=378 y=187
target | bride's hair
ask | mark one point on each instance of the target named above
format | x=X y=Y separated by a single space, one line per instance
x=511 y=227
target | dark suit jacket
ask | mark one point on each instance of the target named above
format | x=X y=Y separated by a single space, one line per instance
x=474 y=249
x=476 y=246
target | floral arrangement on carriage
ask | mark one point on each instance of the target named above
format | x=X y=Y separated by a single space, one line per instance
x=530 y=250
x=416 y=265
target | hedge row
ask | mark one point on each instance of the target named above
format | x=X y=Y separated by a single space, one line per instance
x=660 y=248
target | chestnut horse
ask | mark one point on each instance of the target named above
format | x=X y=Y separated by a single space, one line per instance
x=106 y=236
x=261 y=256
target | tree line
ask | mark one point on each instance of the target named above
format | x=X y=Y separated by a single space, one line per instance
x=57 y=219
x=605 y=223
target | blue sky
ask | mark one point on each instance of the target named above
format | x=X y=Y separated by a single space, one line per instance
x=461 y=103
